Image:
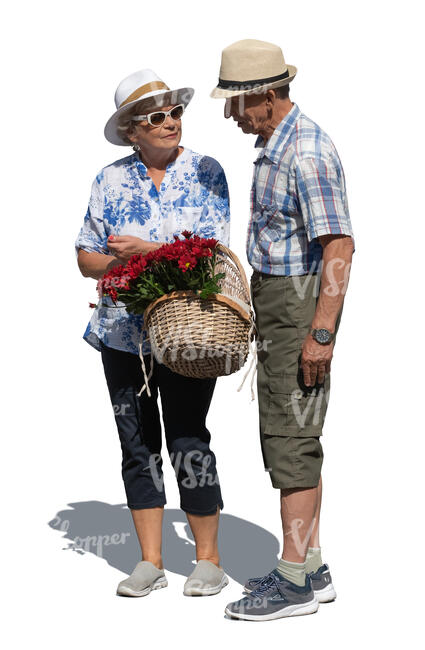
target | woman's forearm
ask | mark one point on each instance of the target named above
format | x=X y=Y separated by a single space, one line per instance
x=94 y=265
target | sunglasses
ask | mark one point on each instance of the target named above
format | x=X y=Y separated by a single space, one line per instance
x=159 y=117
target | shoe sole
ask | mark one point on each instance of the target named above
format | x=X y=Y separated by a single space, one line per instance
x=206 y=591
x=292 y=610
x=128 y=591
x=326 y=595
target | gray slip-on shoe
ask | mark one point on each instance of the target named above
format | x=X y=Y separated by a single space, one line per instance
x=205 y=580
x=144 y=578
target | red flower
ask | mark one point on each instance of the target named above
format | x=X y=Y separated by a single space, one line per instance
x=187 y=262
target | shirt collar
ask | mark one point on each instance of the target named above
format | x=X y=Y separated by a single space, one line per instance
x=140 y=166
x=143 y=170
x=279 y=137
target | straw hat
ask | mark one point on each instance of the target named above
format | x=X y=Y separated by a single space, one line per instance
x=137 y=87
x=252 y=66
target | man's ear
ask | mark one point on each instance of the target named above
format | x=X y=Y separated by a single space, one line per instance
x=271 y=97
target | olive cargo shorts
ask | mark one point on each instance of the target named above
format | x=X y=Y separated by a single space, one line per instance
x=291 y=414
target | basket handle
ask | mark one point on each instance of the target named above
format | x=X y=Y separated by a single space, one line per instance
x=237 y=263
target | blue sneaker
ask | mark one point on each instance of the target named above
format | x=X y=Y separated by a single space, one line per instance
x=274 y=597
x=321 y=582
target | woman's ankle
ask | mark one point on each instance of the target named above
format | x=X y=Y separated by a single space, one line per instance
x=155 y=561
x=215 y=559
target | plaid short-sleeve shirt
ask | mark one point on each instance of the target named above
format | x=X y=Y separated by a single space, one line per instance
x=298 y=193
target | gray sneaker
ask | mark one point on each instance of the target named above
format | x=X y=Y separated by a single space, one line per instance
x=275 y=597
x=321 y=582
x=145 y=578
x=206 y=579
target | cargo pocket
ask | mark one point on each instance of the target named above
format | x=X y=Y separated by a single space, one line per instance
x=295 y=409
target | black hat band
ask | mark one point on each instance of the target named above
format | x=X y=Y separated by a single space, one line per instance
x=247 y=85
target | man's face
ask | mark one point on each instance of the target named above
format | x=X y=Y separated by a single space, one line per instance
x=249 y=111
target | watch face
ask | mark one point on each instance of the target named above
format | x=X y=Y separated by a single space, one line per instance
x=322 y=335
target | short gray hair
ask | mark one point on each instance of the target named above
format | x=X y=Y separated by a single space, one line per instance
x=125 y=122
x=282 y=92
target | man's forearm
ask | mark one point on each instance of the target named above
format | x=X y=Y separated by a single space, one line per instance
x=337 y=256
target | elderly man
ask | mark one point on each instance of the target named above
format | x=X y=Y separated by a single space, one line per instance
x=300 y=245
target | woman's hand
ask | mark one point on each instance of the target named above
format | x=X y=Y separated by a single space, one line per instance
x=123 y=247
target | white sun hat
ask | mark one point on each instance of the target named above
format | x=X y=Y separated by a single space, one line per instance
x=140 y=85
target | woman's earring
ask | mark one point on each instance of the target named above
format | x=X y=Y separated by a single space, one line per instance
x=136 y=147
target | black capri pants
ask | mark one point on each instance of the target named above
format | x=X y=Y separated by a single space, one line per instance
x=185 y=402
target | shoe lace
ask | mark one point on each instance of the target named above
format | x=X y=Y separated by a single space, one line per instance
x=267 y=583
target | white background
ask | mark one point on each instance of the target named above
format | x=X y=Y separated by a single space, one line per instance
x=360 y=77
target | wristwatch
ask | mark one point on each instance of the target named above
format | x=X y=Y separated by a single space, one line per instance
x=322 y=335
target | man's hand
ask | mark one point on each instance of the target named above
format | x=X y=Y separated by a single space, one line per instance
x=123 y=247
x=315 y=360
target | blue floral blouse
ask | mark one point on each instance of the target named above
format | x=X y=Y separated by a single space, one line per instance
x=124 y=201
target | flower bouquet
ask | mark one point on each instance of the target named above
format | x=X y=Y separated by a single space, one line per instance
x=183 y=265
x=195 y=301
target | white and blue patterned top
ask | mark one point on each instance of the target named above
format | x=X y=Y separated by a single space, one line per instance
x=124 y=201
x=298 y=193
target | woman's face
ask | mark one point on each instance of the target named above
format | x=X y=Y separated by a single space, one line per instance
x=166 y=136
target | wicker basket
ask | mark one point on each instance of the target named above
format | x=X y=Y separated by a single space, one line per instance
x=209 y=337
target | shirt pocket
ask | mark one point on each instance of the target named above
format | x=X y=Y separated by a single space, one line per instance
x=269 y=222
x=181 y=218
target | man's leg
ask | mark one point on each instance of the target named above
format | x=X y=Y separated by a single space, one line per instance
x=291 y=414
x=298 y=509
x=314 y=553
x=290 y=418
x=314 y=539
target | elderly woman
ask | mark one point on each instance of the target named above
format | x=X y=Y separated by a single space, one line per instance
x=137 y=203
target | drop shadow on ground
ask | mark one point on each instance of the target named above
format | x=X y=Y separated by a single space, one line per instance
x=107 y=530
